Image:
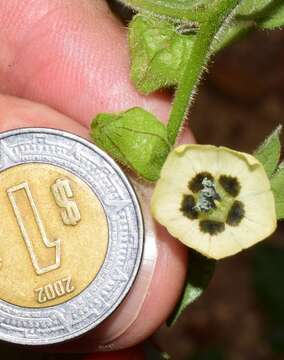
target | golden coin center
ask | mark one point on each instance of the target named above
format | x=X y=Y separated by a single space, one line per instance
x=53 y=235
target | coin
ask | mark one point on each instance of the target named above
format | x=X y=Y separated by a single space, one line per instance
x=71 y=236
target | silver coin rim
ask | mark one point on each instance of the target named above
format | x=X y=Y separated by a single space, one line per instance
x=140 y=225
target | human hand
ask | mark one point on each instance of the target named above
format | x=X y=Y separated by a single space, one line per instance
x=72 y=56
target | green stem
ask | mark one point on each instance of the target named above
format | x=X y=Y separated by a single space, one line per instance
x=200 y=55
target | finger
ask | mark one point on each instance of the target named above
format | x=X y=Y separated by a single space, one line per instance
x=18 y=113
x=71 y=55
x=162 y=272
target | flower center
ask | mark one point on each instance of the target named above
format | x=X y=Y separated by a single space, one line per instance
x=213 y=202
x=207 y=196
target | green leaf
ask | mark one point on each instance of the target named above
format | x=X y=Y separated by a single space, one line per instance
x=200 y=272
x=275 y=17
x=277 y=186
x=179 y=10
x=136 y=138
x=159 y=53
x=268 y=14
x=252 y=7
x=269 y=152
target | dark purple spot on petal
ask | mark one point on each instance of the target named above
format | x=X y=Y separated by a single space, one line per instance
x=211 y=227
x=187 y=207
x=236 y=214
x=196 y=185
x=230 y=184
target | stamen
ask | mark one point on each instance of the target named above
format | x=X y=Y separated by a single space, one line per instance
x=207 y=197
x=195 y=184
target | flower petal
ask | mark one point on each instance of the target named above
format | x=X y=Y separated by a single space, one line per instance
x=259 y=223
x=204 y=158
x=165 y=204
x=188 y=232
x=224 y=244
x=256 y=211
x=175 y=164
x=260 y=212
x=245 y=168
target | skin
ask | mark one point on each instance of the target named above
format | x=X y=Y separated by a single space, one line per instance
x=61 y=63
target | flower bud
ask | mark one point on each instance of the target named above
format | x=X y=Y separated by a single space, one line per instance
x=136 y=138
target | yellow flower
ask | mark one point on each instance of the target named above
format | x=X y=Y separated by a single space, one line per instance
x=215 y=200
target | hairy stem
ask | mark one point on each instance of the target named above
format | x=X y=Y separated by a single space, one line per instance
x=216 y=18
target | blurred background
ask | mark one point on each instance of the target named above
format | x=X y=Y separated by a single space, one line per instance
x=241 y=315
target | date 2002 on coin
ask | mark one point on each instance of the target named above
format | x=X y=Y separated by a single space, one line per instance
x=71 y=236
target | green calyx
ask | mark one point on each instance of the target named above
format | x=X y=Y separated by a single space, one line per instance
x=159 y=52
x=135 y=138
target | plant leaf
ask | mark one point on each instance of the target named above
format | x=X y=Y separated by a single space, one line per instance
x=268 y=14
x=136 y=138
x=277 y=186
x=275 y=17
x=252 y=7
x=269 y=152
x=158 y=53
x=200 y=272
